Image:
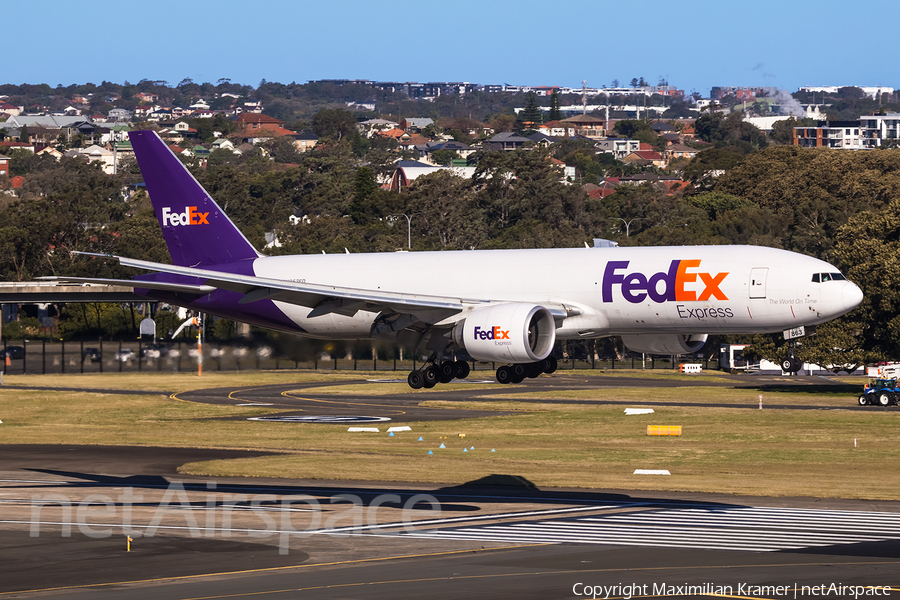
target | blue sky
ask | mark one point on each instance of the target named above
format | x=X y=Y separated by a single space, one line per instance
x=694 y=44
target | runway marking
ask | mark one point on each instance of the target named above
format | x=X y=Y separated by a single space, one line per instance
x=287 y=394
x=739 y=528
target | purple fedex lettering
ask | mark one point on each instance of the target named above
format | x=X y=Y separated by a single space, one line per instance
x=636 y=286
x=494 y=333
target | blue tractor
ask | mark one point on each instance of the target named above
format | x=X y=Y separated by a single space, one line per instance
x=880 y=392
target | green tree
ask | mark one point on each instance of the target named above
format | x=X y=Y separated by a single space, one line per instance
x=444 y=157
x=555 y=113
x=531 y=115
x=334 y=123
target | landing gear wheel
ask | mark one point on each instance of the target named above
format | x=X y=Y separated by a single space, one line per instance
x=430 y=374
x=863 y=399
x=462 y=369
x=798 y=364
x=447 y=372
x=534 y=369
x=884 y=399
x=550 y=364
x=504 y=375
x=518 y=378
x=415 y=379
x=787 y=365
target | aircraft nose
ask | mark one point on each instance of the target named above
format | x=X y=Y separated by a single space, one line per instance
x=852 y=296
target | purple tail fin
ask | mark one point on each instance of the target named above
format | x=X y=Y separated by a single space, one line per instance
x=196 y=230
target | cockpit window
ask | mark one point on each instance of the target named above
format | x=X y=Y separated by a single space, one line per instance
x=824 y=277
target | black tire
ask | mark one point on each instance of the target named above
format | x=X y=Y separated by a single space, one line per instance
x=462 y=369
x=550 y=364
x=884 y=399
x=431 y=375
x=798 y=364
x=863 y=399
x=519 y=370
x=534 y=369
x=787 y=365
x=504 y=375
x=416 y=380
x=446 y=372
x=518 y=377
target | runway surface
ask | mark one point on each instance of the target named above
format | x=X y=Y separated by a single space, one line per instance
x=256 y=538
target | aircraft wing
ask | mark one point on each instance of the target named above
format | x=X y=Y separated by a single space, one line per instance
x=323 y=299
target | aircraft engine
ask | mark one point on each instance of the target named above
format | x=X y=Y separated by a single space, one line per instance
x=665 y=344
x=509 y=332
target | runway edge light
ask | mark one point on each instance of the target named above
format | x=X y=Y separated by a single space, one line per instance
x=442 y=445
x=420 y=439
x=430 y=452
x=391 y=434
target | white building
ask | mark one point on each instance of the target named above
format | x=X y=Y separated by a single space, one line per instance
x=870 y=91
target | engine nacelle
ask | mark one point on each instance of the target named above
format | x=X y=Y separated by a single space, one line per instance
x=665 y=344
x=511 y=332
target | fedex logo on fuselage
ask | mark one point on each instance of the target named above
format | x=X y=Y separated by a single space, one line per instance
x=190 y=216
x=494 y=333
x=678 y=284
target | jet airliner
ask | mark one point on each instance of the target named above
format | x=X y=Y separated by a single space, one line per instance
x=506 y=306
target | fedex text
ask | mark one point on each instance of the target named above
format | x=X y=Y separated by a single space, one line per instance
x=190 y=216
x=678 y=284
x=494 y=333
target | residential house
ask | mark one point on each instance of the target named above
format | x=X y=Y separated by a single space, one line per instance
x=461 y=149
x=587 y=126
x=542 y=139
x=105 y=157
x=305 y=141
x=680 y=151
x=9 y=109
x=645 y=157
x=224 y=144
x=119 y=114
x=415 y=125
x=371 y=127
x=556 y=129
x=618 y=147
x=845 y=135
x=4 y=167
x=506 y=141
x=143 y=111
x=146 y=97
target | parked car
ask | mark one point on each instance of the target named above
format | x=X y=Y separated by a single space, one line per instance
x=124 y=355
x=154 y=350
x=92 y=354
x=13 y=352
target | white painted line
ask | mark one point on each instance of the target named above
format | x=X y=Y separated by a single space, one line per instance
x=255 y=404
x=369 y=429
x=401 y=428
x=638 y=411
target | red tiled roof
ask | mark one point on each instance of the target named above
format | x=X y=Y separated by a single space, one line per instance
x=645 y=146
x=248 y=117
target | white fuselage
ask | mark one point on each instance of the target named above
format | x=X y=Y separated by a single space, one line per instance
x=613 y=291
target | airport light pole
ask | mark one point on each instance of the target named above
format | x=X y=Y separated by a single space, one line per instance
x=627 y=223
x=391 y=219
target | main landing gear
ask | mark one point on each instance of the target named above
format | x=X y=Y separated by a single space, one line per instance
x=445 y=372
x=516 y=373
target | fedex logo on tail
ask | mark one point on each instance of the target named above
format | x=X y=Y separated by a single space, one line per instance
x=190 y=216
x=494 y=333
x=678 y=284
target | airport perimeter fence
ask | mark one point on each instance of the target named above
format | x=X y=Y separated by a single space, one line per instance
x=42 y=357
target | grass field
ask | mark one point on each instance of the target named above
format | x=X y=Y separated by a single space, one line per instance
x=728 y=450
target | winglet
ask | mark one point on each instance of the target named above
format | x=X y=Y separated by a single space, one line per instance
x=197 y=232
